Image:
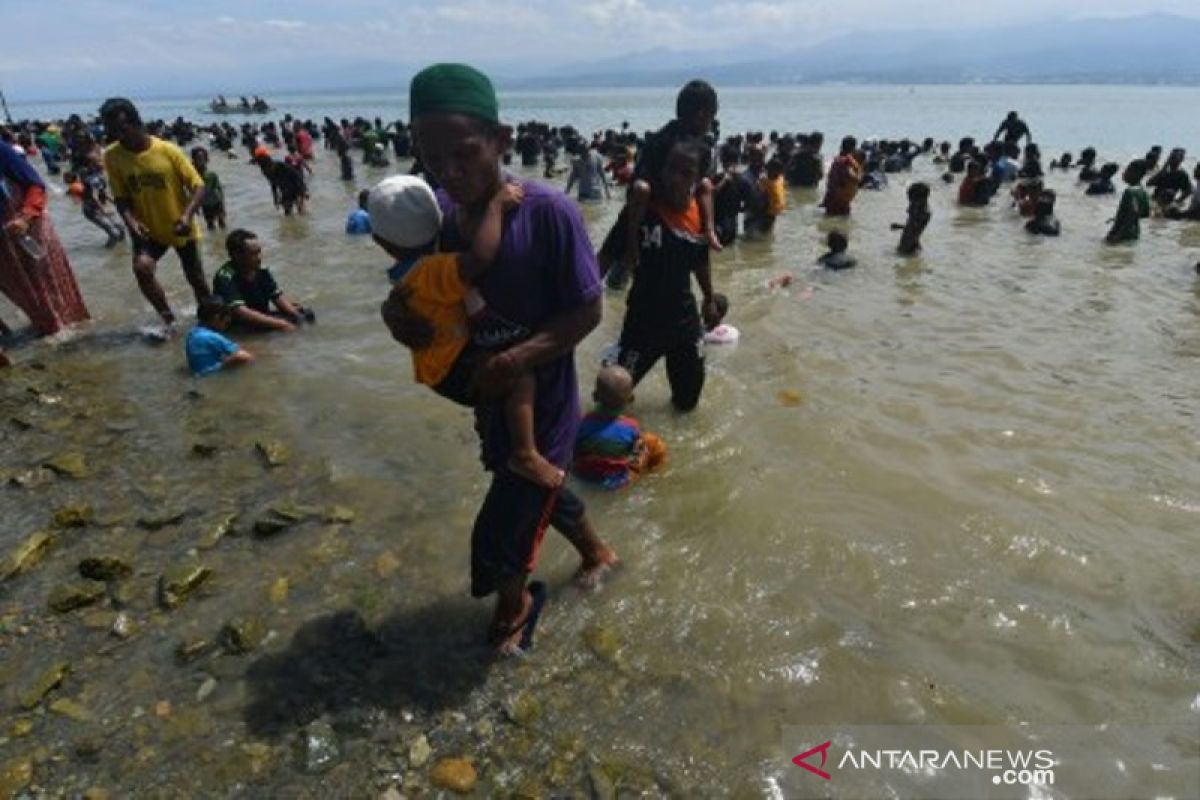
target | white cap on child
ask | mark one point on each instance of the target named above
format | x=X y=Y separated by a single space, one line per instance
x=404 y=211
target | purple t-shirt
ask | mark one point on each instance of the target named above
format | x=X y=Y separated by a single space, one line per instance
x=545 y=266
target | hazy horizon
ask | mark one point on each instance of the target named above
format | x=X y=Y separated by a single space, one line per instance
x=138 y=47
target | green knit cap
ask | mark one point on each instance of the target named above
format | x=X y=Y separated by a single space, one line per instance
x=453 y=89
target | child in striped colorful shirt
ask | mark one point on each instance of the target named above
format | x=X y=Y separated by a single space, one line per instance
x=611 y=448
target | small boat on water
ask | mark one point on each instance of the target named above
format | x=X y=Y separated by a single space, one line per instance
x=220 y=106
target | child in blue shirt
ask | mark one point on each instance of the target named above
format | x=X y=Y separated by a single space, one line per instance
x=359 y=221
x=207 y=349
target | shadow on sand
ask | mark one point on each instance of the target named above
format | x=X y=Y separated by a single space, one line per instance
x=425 y=660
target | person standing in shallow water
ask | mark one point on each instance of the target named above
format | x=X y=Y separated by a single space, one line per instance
x=34 y=272
x=542 y=296
x=845 y=177
x=157 y=192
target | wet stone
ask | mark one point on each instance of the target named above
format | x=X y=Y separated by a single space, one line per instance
x=70 y=709
x=601 y=785
x=22 y=726
x=75 y=516
x=204 y=449
x=33 y=478
x=49 y=680
x=455 y=774
x=123 y=626
x=241 y=636
x=524 y=710
x=180 y=581
x=271 y=525
x=70 y=465
x=603 y=641
x=123 y=594
x=69 y=597
x=88 y=749
x=15 y=776
x=224 y=527
x=273 y=453
x=161 y=519
x=105 y=568
x=100 y=619
x=419 y=752
x=189 y=651
x=206 y=689
x=26 y=555
x=320 y=747
x=97 y=793
x=340 y=515
x=278 y=593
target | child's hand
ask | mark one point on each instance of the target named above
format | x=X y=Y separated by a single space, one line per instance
x=510 y=195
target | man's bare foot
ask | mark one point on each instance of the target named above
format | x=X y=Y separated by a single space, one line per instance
x=714 y=242
x=513 y=638
x=530 y=465
x=591 y=572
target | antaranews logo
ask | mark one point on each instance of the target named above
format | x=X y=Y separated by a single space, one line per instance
x=1010 y=767
x=823 y=749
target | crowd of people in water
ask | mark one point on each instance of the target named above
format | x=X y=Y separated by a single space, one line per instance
x=495 y=279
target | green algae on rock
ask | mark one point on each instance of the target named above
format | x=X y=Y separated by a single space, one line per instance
x=178 y=582
x=27 y=554
x=47 y=682
x=70 y=596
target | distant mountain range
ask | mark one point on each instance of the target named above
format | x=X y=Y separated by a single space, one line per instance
x=1148 y=49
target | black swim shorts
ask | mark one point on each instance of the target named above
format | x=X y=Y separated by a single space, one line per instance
x=511 y=524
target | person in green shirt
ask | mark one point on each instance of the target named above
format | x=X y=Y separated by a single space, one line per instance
x=1135 y=205
x=213 y=204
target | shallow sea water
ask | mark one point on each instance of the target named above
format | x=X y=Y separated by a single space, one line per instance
x=959 y=488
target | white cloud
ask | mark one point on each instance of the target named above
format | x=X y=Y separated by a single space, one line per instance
x=226 y=20
x=286 y=24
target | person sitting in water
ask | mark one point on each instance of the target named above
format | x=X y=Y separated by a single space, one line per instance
x=1044 y=223
x=611 y=449
x=918 y=219
x=1134 y=207
x=837 y=258
x=1192 y=212
x=1171 y=183
x=1025 y=196
x=249 y=288
x=440 y=287
x=976 y=189
x=1103 y=184
x=1063 y=162
x=359 y=221
x=1087 y=165
x=206 y=348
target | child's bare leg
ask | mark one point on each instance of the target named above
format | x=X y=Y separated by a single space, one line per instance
x=638 y=202
x=704 y=197
x=526 y=461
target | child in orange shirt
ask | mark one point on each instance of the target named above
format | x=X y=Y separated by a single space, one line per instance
x=405 y=221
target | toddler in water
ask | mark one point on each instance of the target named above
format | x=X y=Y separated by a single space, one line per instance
x=837 y=257
x=406 y=220
x=207 y=349
x=610 y=448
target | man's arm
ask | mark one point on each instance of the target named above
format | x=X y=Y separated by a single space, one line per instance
x=136 y=226
x=556 y=338
x=258 y=319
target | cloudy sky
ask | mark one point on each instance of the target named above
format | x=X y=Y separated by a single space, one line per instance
x=83 y=48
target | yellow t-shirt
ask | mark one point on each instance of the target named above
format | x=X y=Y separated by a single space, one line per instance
x=438 y=295
x=776 y=195
x=157 y=183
